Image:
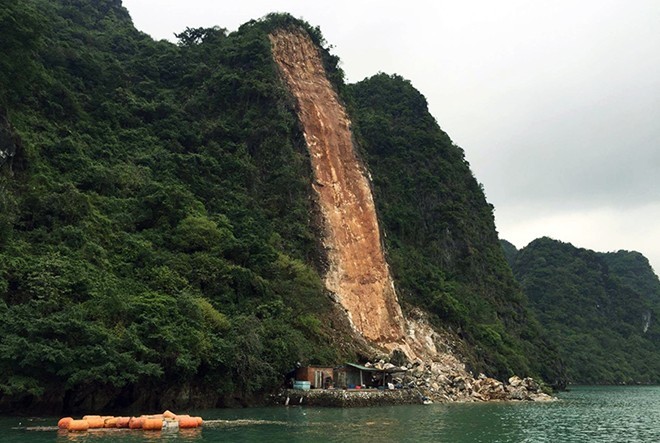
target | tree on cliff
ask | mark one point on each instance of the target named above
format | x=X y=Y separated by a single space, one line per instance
x=21 y=24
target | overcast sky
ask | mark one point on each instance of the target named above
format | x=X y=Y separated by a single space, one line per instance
x=556 y=103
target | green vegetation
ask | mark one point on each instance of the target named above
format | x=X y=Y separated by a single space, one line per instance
x=440 y=232
x=634 y=271
x=602 y=309
x=157 y=230
x=510 y=251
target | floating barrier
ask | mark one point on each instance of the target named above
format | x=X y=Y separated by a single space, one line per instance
x=78 y=425
x=64 y=422
x=152 y=424
x=135 y=423
x=96 y=422
x=187 y=422
x=168 y=420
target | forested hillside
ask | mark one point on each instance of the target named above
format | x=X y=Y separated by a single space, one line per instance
x=634 y=271
x=601 y=308
x=159 y=241
x=157 y=229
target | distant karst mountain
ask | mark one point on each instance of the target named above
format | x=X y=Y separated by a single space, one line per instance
x=601 y=308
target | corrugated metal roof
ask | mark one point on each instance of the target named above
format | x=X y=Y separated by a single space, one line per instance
x=372 y=369
x=363 y=368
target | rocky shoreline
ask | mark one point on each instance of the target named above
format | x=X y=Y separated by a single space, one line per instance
x=443 y=380
x=442 y=383
x=481 y=390
x=459 y=390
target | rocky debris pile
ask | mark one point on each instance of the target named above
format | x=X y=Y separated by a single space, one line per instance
x=386 y=366
x=526 y=389
x=447 y=380
x=464 y=387
x=442 y=379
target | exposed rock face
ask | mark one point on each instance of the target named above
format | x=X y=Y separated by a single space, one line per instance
x=358 y=273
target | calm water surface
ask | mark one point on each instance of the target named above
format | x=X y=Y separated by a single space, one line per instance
x=585 y=414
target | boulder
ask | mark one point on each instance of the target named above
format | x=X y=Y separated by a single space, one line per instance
x=515 y=381
x=398 y=358
x=542 y=397
x=531 y=385
x=518 y=394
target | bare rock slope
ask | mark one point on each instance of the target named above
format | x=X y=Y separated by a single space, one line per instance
x=358 y=273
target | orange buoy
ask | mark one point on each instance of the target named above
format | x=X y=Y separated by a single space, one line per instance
x=122 y=422
x=110 y=422
x=78 y=425
x=87 y=417
x=135 y=422
x=64 y=422
x=200 y=421
x=152 y=424
x=95 y=423
x=187 y=422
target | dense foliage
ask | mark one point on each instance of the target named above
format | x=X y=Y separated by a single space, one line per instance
x=601 y=308
x=440 y=232
x=634 y=271
x=159 y=230
x=510 y=251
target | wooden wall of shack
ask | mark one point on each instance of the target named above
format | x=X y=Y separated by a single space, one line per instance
x=315 y=374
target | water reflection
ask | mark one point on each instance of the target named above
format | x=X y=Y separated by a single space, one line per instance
x=129 y=435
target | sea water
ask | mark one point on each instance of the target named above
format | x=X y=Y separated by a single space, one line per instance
x=584 y=414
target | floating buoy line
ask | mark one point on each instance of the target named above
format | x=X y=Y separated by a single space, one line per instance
x=165 y=421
